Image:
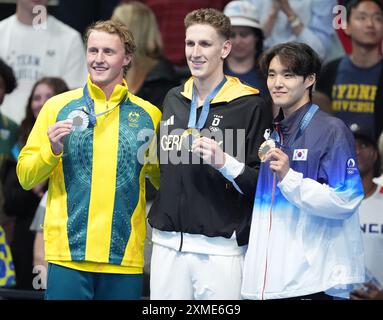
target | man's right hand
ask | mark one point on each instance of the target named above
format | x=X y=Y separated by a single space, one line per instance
x=57 y=132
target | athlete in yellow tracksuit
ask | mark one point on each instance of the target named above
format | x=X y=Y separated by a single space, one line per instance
x=95 y=221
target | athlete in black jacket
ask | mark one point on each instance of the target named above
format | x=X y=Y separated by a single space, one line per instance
x=202 y=212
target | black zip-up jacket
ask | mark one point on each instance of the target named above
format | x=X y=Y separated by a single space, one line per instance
x=196 y=198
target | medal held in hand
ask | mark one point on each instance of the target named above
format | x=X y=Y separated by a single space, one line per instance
x=264 y=148
x=86 y=117
x=188 y=137
x=194 y=126
x=80 y=120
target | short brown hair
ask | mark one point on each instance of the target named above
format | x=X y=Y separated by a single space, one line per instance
x=114 y=27
x=212 y=17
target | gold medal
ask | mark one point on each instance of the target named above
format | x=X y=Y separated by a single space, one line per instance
x=264 y=148
x=188 y=136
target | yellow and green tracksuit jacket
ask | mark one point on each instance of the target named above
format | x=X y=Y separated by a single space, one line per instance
x=95 y=217
x=7 y=270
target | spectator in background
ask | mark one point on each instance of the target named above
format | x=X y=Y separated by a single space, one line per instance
x=351 y=86
x=80 y=14
x=7 y=272
x=308 y=21
x=370 y=214
x=379 y=180
x=8 y=128
x=38 y=244
x=150 y=76
x=19 y=203
x=8 y=137
x=36 y=45
x=343 y=38
x=247 y=44
x=170 y=15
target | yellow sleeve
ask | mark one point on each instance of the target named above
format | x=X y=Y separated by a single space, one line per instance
x=153 y=167
x=36 y=160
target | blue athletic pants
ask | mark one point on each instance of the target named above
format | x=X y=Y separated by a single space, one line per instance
x=70 y=284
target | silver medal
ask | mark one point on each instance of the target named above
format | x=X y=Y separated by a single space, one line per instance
x=80 y=120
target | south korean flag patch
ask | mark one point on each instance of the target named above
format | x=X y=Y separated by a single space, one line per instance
x=300 y=154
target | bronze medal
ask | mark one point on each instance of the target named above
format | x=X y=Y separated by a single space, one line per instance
x=264 y=148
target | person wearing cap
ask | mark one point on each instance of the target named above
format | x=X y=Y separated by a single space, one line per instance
x=305 y=238
x=370 y=214
x=211 y=130
x=247 y=44
x=92 y=144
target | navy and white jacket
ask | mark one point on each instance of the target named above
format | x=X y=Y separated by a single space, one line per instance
x=305 y=235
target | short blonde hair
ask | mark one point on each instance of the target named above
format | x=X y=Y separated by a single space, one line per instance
x=140 y=20
x=211 y=17
x=114 y=27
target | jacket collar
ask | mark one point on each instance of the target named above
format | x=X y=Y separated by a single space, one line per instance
x=291 y=124
x=98 y=95
x=232 y=89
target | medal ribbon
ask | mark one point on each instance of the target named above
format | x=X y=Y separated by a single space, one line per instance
x=205 y=108
x=89 y=103
x=302 y=124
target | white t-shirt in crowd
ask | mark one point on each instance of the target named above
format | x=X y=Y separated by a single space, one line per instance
x=34 y=52
x=371 y=220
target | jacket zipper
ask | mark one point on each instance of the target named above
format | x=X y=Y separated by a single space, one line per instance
x=268 y=236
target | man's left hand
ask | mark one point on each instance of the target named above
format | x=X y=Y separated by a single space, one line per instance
x=210 y=151
x=279 y=162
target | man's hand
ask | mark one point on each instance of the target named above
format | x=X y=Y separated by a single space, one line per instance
x=372 y=292
x=279 y=162
x=57 y=132
x=210 y=151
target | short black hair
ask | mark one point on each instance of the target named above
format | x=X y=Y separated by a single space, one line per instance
x=298 y=57
x=6 y=72
x=352 y=4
